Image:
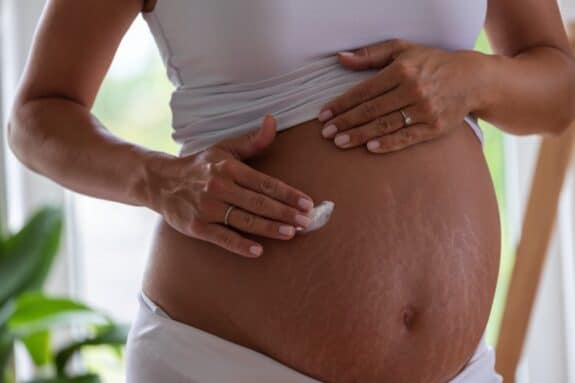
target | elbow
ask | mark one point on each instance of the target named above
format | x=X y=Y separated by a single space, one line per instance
x=562 y=126
x=19 y=137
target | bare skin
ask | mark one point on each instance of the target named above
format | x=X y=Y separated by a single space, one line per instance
x=401 y=277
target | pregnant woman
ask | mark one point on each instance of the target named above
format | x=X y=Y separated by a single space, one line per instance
x=330 y=216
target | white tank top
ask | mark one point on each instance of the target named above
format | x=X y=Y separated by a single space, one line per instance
x=233 y=61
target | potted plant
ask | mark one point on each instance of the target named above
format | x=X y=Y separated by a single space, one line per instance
x=30 y=317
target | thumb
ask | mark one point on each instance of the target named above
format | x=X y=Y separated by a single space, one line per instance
x=253 y=142
x=353 y=60
x=374 y=56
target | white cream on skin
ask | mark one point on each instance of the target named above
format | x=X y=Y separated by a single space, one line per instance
x=319 y=215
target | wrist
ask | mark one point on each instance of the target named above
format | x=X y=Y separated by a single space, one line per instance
x=482 y=93
x=146 y=187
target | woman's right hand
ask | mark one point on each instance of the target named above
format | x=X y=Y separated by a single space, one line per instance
x=192 y=193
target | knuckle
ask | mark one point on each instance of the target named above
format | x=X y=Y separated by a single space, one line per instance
x=287 y=214
x=269 y=185
x=259 y=201
x=418 y=90
x=249 y=220
x=224 y=166
x=437 y=125
x=364 y=51
x=401 y=67
x=398 y=43
x=405 y=136
x=382 y=125
x=252 y=137
x=428 y=108
x=363 y=93
x=368 y=108
x=342 y=121
x=405 y=70
x=334 y=105
x=227 y=240
x=272 y=228
x=213 y=185
x=210 y=168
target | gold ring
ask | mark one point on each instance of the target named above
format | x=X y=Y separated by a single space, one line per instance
x=228 y=211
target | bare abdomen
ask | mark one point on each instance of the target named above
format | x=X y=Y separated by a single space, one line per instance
x=397 y=287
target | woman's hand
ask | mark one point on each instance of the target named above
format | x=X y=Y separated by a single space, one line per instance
x=433 y=87
x=193 y=193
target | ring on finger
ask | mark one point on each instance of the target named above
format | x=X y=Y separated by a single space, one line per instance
x=406 y=118
x=226 y=216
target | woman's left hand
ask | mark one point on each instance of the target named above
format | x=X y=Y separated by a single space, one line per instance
x=434 y=88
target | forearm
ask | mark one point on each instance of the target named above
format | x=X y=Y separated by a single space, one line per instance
x=61 y=140
x=531 y=92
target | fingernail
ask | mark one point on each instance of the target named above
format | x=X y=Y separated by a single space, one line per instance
x=256 y=250
x=286 y=229
x=372 y=145
x=325 y=115
x=346 y=53
x=302 y=220
x=305 y=204
x=341 y=140
x=329 y=131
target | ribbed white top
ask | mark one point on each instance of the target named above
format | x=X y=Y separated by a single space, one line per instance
x=233 y=62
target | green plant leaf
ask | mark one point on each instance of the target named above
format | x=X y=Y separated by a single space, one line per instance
x=37 y=312
x=88 y=378
x=38 y=345
x=28 y=255
x=6 y=348
x=111 y=335
x=2 y=245
x=6 y=311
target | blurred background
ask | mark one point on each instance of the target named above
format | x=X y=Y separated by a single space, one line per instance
x=105 y=245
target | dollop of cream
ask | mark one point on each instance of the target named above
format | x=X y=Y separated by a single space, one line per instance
x=319 y=215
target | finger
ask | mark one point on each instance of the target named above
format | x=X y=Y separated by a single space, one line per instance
x=379 y=127
x=263 y=205
x=401 y=139
x=251 y=223
x=251 y=143
x=259 y=182
x=382 y=82
x=374 y=55
x=368 y=111
x=230 y=240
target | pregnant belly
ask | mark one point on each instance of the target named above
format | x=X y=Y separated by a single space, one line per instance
x=397 y=287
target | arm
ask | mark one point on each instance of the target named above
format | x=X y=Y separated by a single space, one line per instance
x=528 y=85
x=52 y=131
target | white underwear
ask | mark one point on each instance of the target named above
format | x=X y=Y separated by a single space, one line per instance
x=162 y=350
